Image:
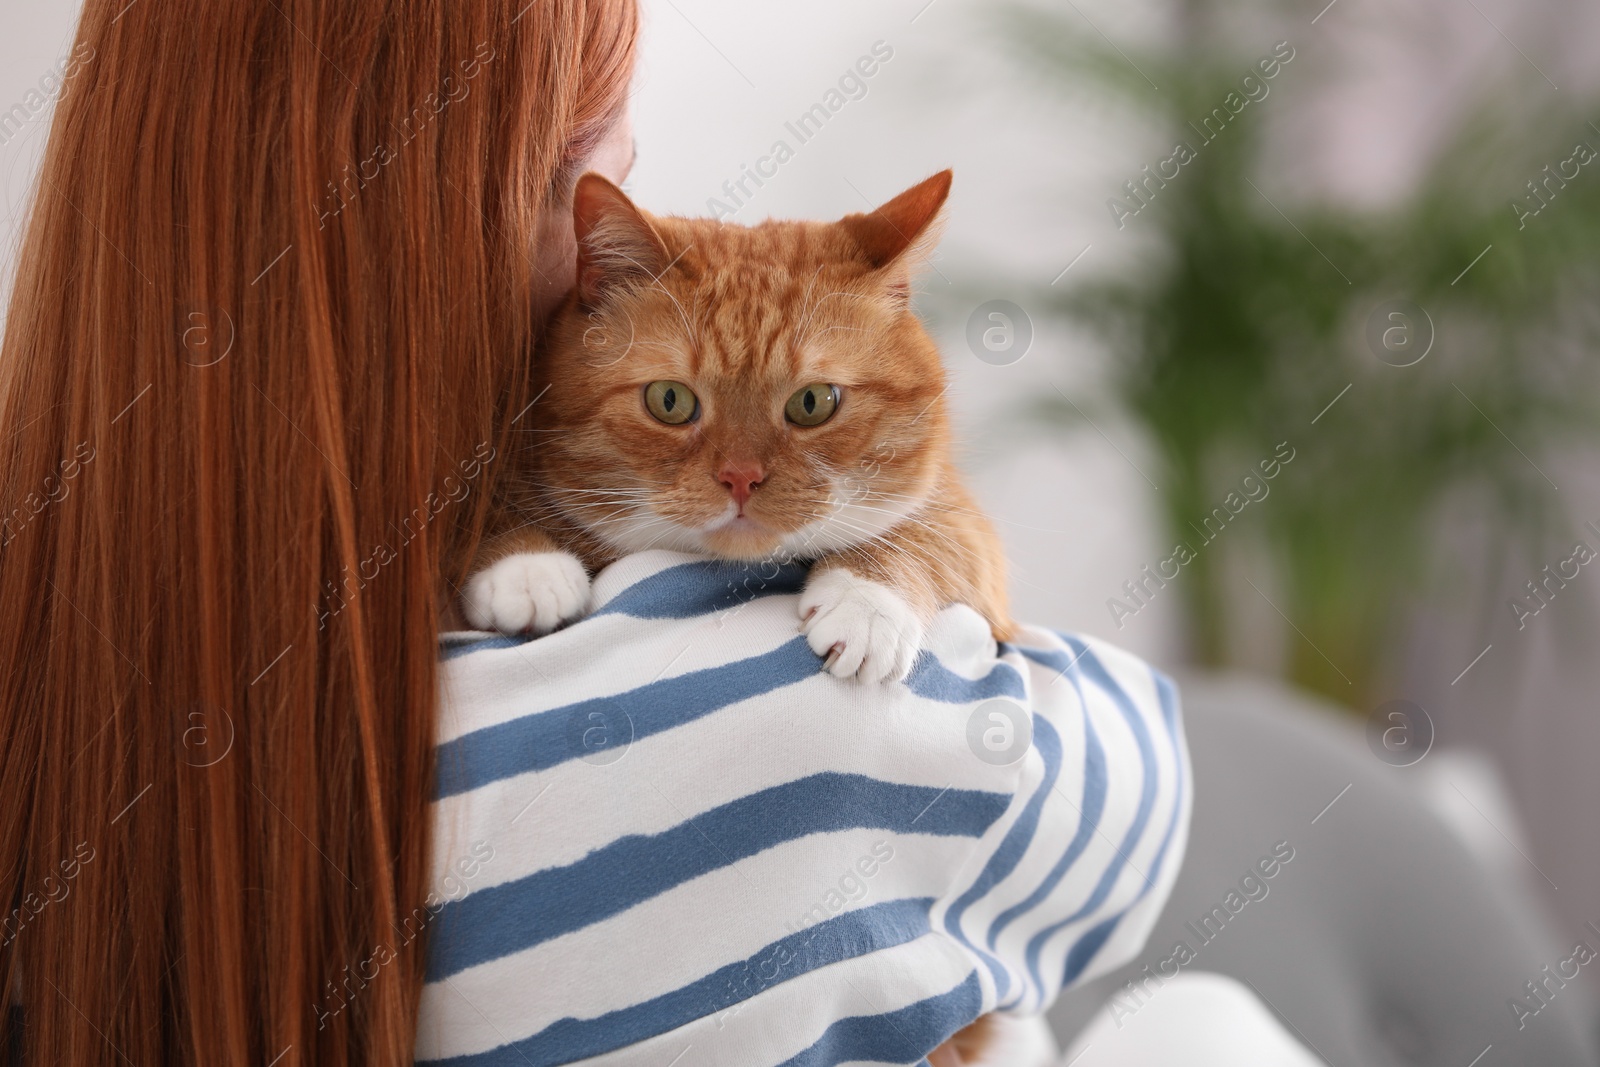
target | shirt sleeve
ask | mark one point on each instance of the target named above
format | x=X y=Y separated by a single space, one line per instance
x=1074 y=876
x=665 y=836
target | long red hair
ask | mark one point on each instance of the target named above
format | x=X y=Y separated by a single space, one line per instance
x=271 y=321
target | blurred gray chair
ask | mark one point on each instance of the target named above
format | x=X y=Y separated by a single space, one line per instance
x=1385 y=942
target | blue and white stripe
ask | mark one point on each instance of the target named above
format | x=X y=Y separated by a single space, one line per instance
x=705 y=851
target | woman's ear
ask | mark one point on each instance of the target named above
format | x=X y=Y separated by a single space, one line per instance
x=617 y=246
x=899 y=237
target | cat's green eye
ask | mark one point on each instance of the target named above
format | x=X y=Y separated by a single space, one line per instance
x=813 y=405
x=671 y=402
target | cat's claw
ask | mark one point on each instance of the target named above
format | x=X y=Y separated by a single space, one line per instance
x=529 y=592
x=865 y=629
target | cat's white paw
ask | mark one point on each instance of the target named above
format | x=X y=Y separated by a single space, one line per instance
x=529 y=592
x=874 y=631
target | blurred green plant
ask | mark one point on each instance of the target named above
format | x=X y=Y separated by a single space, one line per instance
x=1240 y=323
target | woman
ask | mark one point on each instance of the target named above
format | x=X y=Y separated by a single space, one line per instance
x=269 y=336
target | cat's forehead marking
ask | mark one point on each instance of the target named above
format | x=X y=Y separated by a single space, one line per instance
x=745 y=327
x=761 y=294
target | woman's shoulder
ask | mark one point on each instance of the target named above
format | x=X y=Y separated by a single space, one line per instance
x=684 y=651
x=671 y=638
x=680 y=651
x=667 y=821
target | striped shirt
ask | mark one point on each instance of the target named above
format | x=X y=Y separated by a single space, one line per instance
x=666 y=836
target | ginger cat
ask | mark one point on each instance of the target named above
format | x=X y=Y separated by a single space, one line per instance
x=750 y=393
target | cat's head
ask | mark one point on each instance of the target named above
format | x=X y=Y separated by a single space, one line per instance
x=746 y=392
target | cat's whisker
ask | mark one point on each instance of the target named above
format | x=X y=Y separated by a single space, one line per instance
x=527 y=524
x=588 y=488
x=607 y=512
x=952 y=543
x=606 y=506
x=937 y=529
x=609 y=494
x=811 y=313
x=604 y=494
x=596 y=523
x=846 y=294
x=637 y=524
x=805 y=317
x=655 y=280
x=671 y=528
x=932 y=503
x=848 y=329
x=912 y=519
x=683 y=316
x=911 y=550
x=653 y=344
x=630 y=513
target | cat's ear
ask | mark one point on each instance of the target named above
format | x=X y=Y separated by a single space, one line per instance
x=617 y=246
x=900 y=236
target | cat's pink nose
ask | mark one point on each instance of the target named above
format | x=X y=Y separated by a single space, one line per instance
x=741 y=479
